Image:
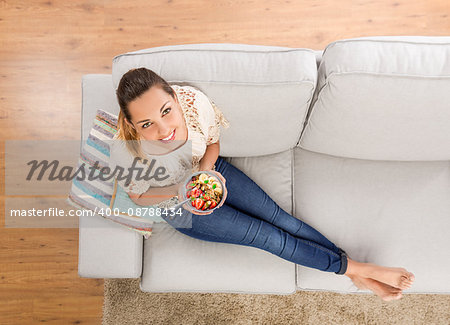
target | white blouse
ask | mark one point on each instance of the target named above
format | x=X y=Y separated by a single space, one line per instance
x=203 y=121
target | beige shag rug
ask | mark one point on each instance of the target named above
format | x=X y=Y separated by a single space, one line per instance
x=125 y=303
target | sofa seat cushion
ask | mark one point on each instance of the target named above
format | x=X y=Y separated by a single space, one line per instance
x=175 y=262
x=382 y=99
x=389 y=213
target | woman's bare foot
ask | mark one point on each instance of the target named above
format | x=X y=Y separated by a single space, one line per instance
x=397 y=277
x=393 y=276
x=357 y=281
x=382 y=290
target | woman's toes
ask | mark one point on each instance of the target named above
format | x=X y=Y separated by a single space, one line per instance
x=384 y=291
x=395 y=277
x=409 y=282
x=403 y=285
x=406 y=283
x=406 y=280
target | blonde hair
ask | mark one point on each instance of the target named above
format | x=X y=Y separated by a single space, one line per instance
x=131 y=86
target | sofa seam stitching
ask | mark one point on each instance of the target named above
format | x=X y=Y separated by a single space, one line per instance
x=293 y=204
x=338 y=42
x=217 y=50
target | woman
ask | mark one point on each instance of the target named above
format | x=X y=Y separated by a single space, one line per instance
x=151 y=109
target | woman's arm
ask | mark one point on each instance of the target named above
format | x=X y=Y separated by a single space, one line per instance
x=155 y=195
x=210 y=156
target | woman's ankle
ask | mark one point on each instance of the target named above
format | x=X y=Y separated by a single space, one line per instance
x=364 y=270
x=353 y=268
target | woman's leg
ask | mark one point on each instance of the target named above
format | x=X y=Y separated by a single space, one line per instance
x=232 y=225
x=229 y=225
x=245 y=195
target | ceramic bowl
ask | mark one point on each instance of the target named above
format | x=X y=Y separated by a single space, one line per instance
x=189 y=180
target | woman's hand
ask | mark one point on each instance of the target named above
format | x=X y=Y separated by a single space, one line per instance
x=224 y=190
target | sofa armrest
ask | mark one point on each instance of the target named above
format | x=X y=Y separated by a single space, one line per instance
x=108 y=250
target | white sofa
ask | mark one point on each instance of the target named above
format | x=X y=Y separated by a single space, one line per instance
x=354 y=140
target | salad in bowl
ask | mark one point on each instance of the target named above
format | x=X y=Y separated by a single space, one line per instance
x=204 y=191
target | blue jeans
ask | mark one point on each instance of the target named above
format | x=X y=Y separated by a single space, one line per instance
x=250 y=217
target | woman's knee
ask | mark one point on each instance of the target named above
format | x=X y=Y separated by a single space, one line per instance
x=271 y=239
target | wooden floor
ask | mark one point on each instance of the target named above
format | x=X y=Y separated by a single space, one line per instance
x=45 y=48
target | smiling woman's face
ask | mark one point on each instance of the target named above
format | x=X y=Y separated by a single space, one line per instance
x=158 y=117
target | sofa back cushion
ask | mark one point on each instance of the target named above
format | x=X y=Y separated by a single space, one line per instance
x=263 y=91
x=382 y=98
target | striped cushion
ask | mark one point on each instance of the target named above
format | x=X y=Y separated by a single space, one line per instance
x=92 y=193
x=138 y=217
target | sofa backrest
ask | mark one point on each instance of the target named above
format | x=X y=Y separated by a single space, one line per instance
x=264 y=91
x=382 y=98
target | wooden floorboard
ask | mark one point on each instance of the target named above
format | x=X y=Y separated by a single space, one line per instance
x=45 y=48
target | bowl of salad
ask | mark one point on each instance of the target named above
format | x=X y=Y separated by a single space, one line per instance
x=204 y=191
